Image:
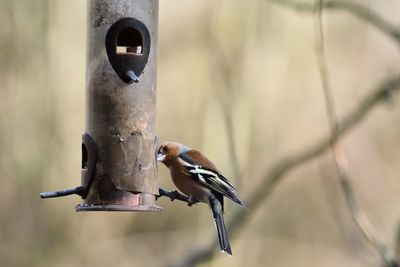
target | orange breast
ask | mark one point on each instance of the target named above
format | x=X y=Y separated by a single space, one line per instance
x=185 y=183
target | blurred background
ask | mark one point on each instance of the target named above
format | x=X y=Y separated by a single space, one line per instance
x=237 y=80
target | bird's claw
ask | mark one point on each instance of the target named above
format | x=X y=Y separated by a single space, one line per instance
x=191 y=201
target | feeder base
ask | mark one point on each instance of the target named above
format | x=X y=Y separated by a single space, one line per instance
x=85 y=207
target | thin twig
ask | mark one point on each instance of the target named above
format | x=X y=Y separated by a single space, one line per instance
x=353 y=8
x=275 y=175
x=278 y=171
x=340 y=159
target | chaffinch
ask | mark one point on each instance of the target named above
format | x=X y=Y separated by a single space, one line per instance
x=198 y=178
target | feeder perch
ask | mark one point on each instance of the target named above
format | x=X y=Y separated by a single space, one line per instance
x=119 y=168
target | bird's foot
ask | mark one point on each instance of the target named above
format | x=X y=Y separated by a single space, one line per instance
x=191 y=201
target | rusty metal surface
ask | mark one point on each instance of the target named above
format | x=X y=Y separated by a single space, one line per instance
x=120 y=116
x=130 y=160
x=119 y=168
x=111 y=199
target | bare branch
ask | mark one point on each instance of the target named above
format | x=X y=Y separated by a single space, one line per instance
x=353 y=8
x=228 y=77
x=275 y=175
x=358 y=216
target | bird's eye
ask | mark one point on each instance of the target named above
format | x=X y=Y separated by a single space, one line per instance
x=165 y=149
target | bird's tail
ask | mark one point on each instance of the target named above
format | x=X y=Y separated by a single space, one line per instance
x=216 y=208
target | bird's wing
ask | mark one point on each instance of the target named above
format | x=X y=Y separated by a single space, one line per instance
x=204 y=172
x=194 y=157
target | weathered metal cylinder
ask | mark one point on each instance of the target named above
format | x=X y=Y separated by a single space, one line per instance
x=119 y=169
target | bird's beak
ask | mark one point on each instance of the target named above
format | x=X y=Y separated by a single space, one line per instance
x=160 y=157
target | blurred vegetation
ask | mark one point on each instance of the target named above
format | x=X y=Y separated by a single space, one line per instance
x=237 y=80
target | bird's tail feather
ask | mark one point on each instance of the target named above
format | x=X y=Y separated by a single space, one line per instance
x=222 y=234
x=220 y=225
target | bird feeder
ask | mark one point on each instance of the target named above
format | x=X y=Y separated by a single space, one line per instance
x=119 y=169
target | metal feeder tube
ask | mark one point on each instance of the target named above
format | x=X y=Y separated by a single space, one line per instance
x=119 y=168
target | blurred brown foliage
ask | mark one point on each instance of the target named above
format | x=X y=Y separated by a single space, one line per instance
x=249 y=63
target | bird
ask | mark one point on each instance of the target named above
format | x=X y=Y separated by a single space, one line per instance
x=199 y=179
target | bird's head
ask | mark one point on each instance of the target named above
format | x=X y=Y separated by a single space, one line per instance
x=170 y=150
